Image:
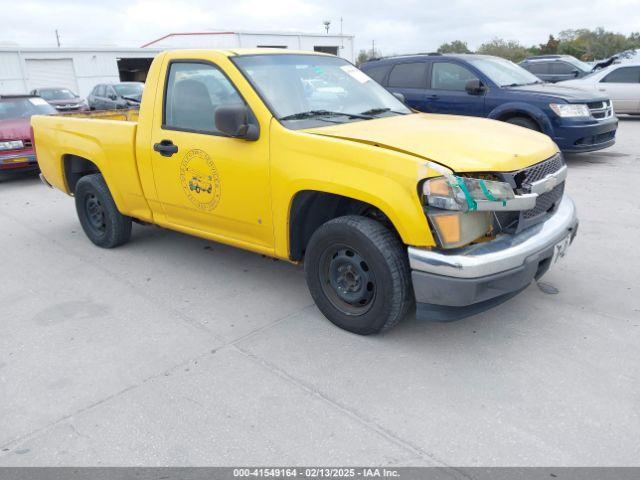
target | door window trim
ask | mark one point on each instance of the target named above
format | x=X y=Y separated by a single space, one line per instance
x=163 y=126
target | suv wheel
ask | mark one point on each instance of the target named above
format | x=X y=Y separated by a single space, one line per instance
x=358 y=274
x=100 y=219
x=524 y=122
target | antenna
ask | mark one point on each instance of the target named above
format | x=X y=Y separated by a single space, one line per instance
x=327 y=24
x=57 y=38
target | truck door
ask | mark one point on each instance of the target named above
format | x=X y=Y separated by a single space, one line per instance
x=207 y=182
x=447 y=91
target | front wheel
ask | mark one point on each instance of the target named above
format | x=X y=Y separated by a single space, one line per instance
x=100 y=219
x=524 y=122
x=358 y=274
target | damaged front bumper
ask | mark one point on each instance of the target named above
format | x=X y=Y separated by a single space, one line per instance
x=454 y=284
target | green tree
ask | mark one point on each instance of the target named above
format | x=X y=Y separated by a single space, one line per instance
x=595 y=44
x=550 y=47
x=366 y=55
x=457 y=46
x=509 y=49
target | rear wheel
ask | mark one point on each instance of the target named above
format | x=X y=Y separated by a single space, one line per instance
x=358 y=274
x=100 y=219
x=524 y=122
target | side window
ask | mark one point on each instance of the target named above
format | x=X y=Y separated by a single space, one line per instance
x=623 y=75
x=100 y=91
x=377 y=73
x=110 y=92
x=194 y=92
x=538 y=68
x=450 y=76
x=409 y=75
x=562 y=68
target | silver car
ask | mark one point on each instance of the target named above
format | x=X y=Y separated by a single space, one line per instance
x=620 y=81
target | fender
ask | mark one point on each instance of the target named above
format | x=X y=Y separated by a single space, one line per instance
x=525 y=109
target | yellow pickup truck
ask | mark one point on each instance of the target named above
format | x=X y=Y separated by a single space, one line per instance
x=303 y=157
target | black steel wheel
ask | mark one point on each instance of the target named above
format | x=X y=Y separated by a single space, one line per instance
x=95 y=213
x=358 y=274
x=100 y=219
x=347 y=280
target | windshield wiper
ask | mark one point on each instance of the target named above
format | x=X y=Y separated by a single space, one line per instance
x=378 y=111
x=322 y=113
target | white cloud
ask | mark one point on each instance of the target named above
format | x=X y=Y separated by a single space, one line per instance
x=397 y=27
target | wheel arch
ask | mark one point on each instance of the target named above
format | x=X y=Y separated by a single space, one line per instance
x=507 y=111
x=74 y=168
x=309 y=209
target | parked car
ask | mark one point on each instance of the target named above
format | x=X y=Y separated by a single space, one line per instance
x=620 y=82
x=113 y=96
x=63 y=99
x=385 y=207
x=556 y=68
x=486 y=86
x=16 y=143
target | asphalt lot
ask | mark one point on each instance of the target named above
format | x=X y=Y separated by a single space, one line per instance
x=173 y=350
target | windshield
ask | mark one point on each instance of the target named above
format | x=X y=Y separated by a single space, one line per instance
x=128 y=89
x=12 y=108
x=57 y=94
x=503 y=72
x=311 y=90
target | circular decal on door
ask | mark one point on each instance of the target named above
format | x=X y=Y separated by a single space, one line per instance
x=200 y=179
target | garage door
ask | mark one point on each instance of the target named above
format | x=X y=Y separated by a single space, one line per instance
x=51 y=73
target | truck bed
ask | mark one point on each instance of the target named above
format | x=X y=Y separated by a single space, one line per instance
x=130 y=115
x=106 y=139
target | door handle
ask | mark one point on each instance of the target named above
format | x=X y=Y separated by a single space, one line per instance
x=166 y=148
x=433 y=97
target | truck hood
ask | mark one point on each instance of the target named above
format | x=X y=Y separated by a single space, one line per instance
x=463 y=144
x=15 y=129
x=559 y=91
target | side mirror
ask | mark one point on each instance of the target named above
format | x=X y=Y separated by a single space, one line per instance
x=233 y=120
x=400 y=97
x=113 y=97
x=576 y=73
x=474 y=87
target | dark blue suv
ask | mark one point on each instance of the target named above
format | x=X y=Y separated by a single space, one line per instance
x=485 y=86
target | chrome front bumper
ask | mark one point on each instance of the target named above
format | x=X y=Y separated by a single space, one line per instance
x=461 y=282
x=504 y=253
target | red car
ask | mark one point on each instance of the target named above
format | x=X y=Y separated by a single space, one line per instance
x=16 y=144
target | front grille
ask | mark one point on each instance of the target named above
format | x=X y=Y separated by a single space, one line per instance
x=601 y=110
x=540 y=170
x=514 y=222
x=596 y=139
x=545 y=203
x=27 y=143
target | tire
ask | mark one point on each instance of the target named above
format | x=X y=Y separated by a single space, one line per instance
x=524 y=122
x=358 y=274
x=100 y=219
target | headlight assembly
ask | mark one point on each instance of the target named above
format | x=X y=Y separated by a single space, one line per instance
x=11 y=145
x=452 y=192
x=570 y=110
x=460 y=207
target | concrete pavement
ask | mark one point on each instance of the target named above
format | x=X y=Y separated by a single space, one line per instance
x=173 y=350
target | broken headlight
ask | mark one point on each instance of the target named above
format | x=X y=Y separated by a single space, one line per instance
x=466 y=194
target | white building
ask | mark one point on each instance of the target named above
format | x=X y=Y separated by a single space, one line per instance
x=80 y=69
x=339 y=44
